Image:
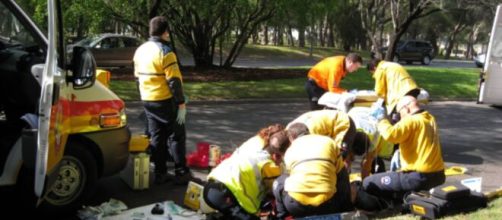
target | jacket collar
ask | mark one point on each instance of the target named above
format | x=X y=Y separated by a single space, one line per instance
x=157 y=39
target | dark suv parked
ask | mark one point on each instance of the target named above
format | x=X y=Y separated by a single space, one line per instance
x=412 y=50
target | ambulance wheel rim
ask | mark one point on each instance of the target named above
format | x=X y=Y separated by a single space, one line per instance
x=69 y=182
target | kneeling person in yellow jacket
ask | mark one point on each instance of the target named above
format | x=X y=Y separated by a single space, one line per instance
x=418 y=138
x=237 y=186
x=316 y=182
x=337 y=125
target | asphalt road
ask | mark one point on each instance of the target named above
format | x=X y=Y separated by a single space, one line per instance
x=271 y=62
x=471 y=136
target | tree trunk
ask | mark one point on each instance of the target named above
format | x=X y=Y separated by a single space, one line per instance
x=301 y=36
x=452 y=39
x=265 y=34
x=321 y=33
x=331 y=35
x=280 y=39
x=473 y=37
x=290 y=36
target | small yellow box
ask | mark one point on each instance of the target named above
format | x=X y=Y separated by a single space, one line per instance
x=193 y=195
x=138 y=143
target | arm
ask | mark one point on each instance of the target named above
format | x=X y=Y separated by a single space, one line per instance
x=380 y=83
x=366 y=163
x=397 y=133
x=174 y=78
x=270 y=171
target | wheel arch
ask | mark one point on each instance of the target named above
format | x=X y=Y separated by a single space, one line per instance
x=91 y=146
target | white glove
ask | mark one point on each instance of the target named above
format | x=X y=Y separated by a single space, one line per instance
x=182 y=112
x=353 y=91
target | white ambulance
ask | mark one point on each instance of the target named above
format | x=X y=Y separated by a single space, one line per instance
x=60 y=131
x=490 y=88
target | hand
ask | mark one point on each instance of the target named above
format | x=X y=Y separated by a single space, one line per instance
x=377 y=113
x=182 y=111
x=353 y=91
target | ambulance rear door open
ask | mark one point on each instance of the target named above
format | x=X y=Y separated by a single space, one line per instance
x=490 y=90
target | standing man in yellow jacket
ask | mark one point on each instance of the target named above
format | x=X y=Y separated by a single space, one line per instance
x=238 y=185
x=326 y=76
x=392 y=82
x=316 y=181
x=161 y=89
x=418 y=139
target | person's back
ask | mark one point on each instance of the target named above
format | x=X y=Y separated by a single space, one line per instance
x=392 y=82
x=328 y=73
x=332 y=123
x=312 y=162
x=316 y=181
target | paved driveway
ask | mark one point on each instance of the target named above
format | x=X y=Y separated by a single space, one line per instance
x=471 y=136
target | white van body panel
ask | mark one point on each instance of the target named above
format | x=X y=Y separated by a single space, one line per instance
x=491 y=89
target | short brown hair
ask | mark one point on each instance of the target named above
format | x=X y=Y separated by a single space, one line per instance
x=158 y=25
x=297 y=129
x=279 y=143
x=266 y=133
x=354 y=57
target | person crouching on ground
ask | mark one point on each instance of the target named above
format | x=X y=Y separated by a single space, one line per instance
x=418 y=139
x=316 y=181
x=338 y=126
x=237 y=187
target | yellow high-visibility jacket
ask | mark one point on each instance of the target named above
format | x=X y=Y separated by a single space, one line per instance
x=313 y=163
x=328 y=73
x=331 y=123
x=248 y=176
x=156 y=66
x=418 y=140
x=392 y=82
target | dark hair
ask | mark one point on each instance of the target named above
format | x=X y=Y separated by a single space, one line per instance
x=279 y=143
x=297 y=129
x=361 y=143
x=354 y=57
x=266 y=133
x=158 y=25
x=373 y=64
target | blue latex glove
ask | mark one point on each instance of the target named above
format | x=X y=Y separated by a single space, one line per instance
x=182 y=112
x=377 y=113
x=186 y=99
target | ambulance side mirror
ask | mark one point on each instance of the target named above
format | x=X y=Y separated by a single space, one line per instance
x=83 y=67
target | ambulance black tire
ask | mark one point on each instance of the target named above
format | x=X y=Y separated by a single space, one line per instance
x=76 y=159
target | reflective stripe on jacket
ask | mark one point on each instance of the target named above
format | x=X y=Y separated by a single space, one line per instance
x=243 y=175
x=154 y=65
x=328 y=73
x=392 y=82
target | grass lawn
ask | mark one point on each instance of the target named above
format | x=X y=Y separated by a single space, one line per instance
x=441 y=83
x=493 y=211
